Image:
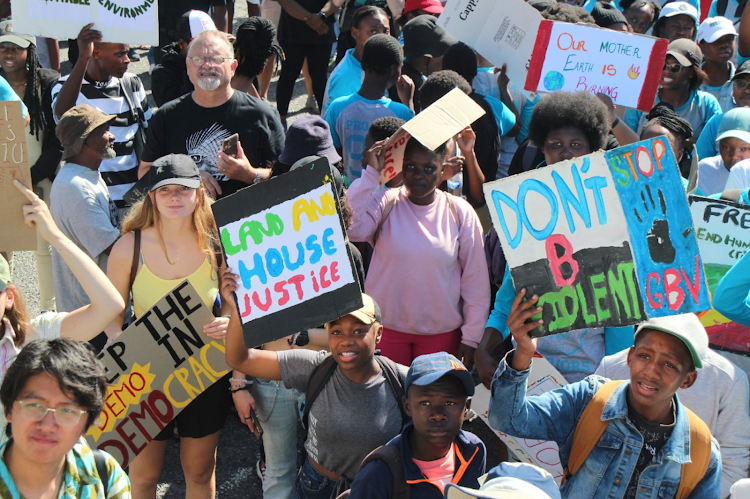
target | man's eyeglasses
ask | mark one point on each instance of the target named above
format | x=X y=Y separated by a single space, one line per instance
x=216 y=60
x=741 y=83
x=673 y=68
x=36 y=411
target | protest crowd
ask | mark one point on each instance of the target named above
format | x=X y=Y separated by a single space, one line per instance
x=474 y=236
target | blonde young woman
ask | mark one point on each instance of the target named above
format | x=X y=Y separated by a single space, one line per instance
x=178 y=238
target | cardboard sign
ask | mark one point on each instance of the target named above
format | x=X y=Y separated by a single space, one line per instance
x=286 y=240
x=15 y=235
x=508 y=39
x=432 y=127
x=574 y=57
x=721 y=228
x=543 y=378
x=604 y=240
x=120 y=21
x=560 y=56
x=160 y=364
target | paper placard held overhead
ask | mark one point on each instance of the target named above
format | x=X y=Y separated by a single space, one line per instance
x=605 y=240
x=432 y=127
x=15 y=235
x=508 y=37
x=285 y=238
x=721 y=228
x=120 y=21
x=155 y=369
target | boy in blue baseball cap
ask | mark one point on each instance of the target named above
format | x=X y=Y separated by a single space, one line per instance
x=432 y=451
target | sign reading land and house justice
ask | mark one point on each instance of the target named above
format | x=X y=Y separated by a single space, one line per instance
x=155 y=369
x=285 y=238
x=120 y=21
x=604 y=240
x=560 y=56
x=723 y=232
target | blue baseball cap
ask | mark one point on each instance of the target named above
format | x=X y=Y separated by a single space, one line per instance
x=427 y=369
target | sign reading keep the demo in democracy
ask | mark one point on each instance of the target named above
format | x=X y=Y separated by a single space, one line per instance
x=285 y=239
x=604 y=240
x=159 y=364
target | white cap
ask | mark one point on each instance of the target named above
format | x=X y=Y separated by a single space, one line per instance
x=686 y=327
x=713 y=28
x=509 y=481
x=195 y=20
x=677 y=8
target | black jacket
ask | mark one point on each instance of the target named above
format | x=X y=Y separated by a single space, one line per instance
x=169 y=79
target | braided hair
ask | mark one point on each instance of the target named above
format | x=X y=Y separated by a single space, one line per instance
x=663 y=114
x=32 y=97
x=254 y=45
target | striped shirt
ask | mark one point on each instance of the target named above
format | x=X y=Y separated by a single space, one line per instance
x=80 y=478
x=122 y=172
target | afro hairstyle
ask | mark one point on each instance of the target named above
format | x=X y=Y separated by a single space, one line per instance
x=560 y=109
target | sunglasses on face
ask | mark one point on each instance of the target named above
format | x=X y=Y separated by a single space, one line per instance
x=673 y=68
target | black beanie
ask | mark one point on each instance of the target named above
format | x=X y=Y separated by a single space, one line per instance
x=605 y=14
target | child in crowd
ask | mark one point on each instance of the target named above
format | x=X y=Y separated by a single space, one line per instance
x=640 y=14
x=640 y=433
x=677 y=20
x=349 y=117
x=346 y=78
x=45 y=456
x=716 y=37
x=435 y=451
x=734 y=146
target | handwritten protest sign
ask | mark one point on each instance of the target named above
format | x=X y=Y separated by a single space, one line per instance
x=432 y=127
x=721 y=228
x=160 y=364
x=285 y=239
x=543 y=378
x=561 y=56
x=15 y=235
x=604 y=240
x=120 y=21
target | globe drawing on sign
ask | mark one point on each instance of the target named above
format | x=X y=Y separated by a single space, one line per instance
x=554 y=81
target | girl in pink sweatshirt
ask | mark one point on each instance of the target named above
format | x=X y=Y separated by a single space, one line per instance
x=428 y=269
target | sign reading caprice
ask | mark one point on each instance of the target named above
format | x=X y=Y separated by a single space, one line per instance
x=285 y=239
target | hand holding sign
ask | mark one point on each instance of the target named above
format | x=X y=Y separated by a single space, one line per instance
x=37 y=215
x=86 y=39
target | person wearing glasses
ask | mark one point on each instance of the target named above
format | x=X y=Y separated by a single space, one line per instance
x=52 y=395
x=196 y=124
x=680 y=84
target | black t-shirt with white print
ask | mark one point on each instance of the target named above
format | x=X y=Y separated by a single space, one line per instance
x=655 y=436
x=183 y=127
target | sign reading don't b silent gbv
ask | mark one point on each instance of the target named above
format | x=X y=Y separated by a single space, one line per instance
x=286 y=240
x=604 y=240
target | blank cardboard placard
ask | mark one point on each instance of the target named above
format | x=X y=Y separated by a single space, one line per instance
x=605 y=240
x=543 y=378
x=155 y=369
x=120 y=21
x=508 y=38
x=572 y=57
x=721 y=228
x=432 y=127
x=285 y=238
x=15 y=235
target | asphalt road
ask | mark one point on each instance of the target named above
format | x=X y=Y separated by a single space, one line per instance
x=238 y=450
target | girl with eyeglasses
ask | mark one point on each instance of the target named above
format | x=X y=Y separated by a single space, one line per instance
x=16 y=327
x=681 y=80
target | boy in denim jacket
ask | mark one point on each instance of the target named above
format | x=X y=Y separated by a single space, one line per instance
x=641 y=452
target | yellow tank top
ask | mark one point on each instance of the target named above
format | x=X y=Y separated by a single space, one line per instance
x=149 y=288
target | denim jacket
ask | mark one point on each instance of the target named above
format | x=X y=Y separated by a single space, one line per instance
x=608 y=468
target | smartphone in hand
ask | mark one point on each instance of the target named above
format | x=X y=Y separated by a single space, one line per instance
x=256 y=424
x=229 y=145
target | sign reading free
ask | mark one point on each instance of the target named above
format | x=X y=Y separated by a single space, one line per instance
x=573 y=57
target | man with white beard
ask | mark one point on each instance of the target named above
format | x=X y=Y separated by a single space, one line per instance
x=197 y=123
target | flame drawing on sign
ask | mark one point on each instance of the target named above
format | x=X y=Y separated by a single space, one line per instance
x=634 y=72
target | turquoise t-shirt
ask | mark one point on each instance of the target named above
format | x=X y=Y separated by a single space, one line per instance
x=8 y=94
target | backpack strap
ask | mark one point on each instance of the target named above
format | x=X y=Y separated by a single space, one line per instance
x=391 y=455
x=318 y=379
x=136 y=256
x=700 y=455
x=589 y=428
x=390 y=371
x=101 y=468
x=386 y=211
